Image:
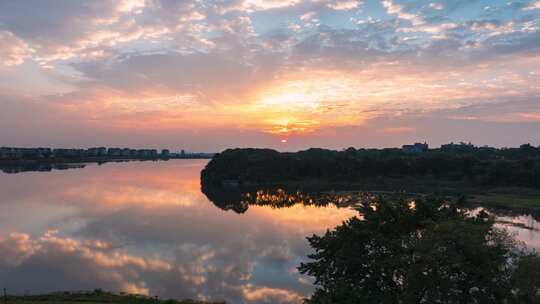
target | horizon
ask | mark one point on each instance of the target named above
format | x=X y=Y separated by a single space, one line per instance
x=287 y=75
x=179 y=149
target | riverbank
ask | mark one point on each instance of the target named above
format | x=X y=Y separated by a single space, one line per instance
x=508 y=198
x=90 y=159
x=50 y=164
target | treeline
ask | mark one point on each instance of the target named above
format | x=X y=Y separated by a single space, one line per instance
x=473 y=166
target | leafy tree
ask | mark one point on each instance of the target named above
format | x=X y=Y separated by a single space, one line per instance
x=526 y=280
x=426 y=251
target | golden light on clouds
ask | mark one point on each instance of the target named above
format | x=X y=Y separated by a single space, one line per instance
x=318 y=68
x=303 y=102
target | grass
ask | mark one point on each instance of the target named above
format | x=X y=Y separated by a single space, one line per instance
x=511 y=198
x=93 y=297
x=508 y=198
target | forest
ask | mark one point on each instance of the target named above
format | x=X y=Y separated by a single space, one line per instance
x=466 y=164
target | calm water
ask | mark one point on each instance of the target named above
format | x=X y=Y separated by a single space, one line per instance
x=147 y=228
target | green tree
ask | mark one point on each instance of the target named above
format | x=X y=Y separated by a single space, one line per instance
x=526 y=280
x=426 y=251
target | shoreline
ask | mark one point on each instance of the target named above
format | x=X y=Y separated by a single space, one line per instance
x=13 y=166
x=58 y=160
x=97 y=296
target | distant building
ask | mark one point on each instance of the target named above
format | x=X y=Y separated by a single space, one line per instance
x=415 y=148
x=114 y=152
x=97 y=152
x=126 y=152
x=69 y=153
x=9 y=152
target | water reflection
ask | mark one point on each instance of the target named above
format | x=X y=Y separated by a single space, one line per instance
x=32 y=166
x=526 y=227
x=523 y=224
x=239 y=200
x=147 y=228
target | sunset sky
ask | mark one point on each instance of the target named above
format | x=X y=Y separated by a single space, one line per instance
x=204 y=75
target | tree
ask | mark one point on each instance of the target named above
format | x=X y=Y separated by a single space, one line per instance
x=526 y=280
x=422 y=251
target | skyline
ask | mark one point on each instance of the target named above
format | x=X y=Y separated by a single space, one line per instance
x=42 y=151
x=208 y=75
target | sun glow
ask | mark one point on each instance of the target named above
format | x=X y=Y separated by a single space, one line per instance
x=295 y=103
x=302 y=103
x=290 y=125
x=291 y=100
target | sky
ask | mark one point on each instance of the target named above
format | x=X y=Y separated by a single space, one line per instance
x=205 y=75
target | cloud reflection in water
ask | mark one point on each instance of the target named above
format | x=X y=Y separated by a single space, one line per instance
x=147 y=228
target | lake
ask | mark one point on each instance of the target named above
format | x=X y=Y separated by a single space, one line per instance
x=145 y=227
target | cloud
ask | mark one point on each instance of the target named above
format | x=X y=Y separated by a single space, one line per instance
x=533 y=5
x=57 y=32
x=13 y=50
x=254 y=5
x=344 y=4
x=395 y=9
x=86 y=30
x=84 y=265
x=271 y=295
x=52 y=263
x=436 y=6
x=530 y=116
x=171 y=66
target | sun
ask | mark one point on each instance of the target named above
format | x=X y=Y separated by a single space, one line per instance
x=284 y=141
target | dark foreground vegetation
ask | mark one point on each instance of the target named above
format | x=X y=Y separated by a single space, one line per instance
x=422 y=251
x=462 y=165
x=93 y=297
